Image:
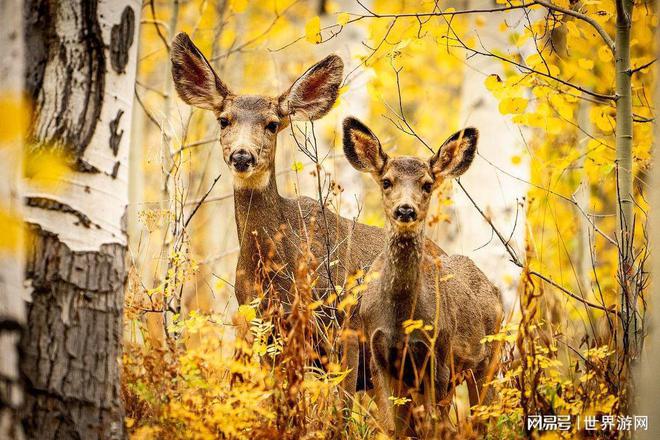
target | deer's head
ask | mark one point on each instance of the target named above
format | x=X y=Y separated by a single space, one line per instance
x=407 y=182
x=249 y=124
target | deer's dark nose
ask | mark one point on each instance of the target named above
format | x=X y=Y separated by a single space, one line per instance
x=241 y=160
x=405 y=213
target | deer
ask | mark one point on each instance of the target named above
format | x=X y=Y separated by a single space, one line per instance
x=274 y=231
x=424 y=313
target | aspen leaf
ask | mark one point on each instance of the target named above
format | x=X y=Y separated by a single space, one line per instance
x=480 y=21
x=349 y=301
x=410 y=325
x=604 y=54
x=239 y=5
x=343 y=18
x=297 y=166
x=534 y=60
x=585 y=64
x=313 y=30
x=14 y=115
x=572 y=29
x=247 y=312
x=493 y=82
x=44 y=168
x=516 y=159
x=398 y=401
x=10 y=231
x=513 y=105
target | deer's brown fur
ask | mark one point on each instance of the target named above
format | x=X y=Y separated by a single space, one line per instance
x=413 y=281
x=274 y=231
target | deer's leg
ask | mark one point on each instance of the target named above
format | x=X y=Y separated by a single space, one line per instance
x=381 y=396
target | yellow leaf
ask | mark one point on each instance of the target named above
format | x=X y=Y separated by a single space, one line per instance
x=129 y=422
x=534 y=60
x=605 y=54
x=513 y=105
x=480 y=21
x=398 y=401
x=297 y=166
x=516 y=159
x=14 y=115
x=10 y=231
x=313 y=30
x=585 y=64
x=239 y=5
x=247 y=312
x=493 y=82
x=350 y=300
x=315 y=305
x=573 y=30
x=44 y=168
x=410 y=325
x=343 y=18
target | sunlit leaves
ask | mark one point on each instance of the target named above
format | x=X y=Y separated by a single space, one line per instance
x=343 y=18
x=513 y=105
x=313 y=30
x=44 y=167
x=14 y=115
x=11 y=230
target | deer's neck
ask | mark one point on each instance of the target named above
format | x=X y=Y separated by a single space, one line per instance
x=258 y=209
x=403 y=254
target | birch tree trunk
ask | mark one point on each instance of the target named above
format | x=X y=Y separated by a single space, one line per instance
x=81 y=60
x=12 y=310
x=624 y=138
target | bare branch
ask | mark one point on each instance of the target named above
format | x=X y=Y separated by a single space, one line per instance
x=580 y=16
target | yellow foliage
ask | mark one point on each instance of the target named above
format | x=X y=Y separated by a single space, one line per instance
x=313 y=30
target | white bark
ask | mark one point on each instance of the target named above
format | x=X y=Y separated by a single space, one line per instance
x=100 y=196
x=12 y=310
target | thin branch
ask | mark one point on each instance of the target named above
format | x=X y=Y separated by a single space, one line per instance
x=516 y=260
x=642 y=67
x=604 y=35
x=201 y=201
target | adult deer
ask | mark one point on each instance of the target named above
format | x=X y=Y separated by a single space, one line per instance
x=446 y=302
x=274 y=231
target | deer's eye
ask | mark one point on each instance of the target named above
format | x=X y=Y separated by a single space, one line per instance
x=272 y=126
x=224 y=122
x=387 y=183
x=427 y=187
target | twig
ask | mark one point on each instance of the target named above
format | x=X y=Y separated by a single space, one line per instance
x=516 y=260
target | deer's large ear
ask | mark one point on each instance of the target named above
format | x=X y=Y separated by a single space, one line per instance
x=312 y=95
x=362 y=147
x=455 y=156
x=194 y=79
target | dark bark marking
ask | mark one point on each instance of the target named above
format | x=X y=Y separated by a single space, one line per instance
x=121 y=39
x=78 y=77
x=115 y=135
x=54 y=205
x=115 y=170
x=82 y=166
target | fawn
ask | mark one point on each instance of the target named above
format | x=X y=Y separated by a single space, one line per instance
x=446 y=301
x=274 y=231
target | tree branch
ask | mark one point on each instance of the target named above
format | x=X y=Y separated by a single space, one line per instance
x=580 y=16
